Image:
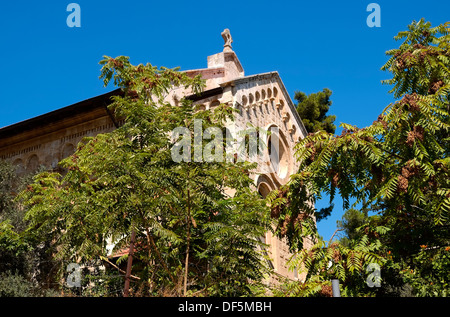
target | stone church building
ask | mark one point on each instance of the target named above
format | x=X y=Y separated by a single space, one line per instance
x=261 y=100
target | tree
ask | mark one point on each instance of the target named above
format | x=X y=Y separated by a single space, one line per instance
x=12 y=245
x=352 y=219
x=398 y=166
x=313 y=110
x=24 y=263
x=196 y=223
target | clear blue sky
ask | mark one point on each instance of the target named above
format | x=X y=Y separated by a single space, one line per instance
x=312 y=44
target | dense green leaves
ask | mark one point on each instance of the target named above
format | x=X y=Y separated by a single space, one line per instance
x=398 y=167
x=198 y=223
x=313 y=110
x=25 y=262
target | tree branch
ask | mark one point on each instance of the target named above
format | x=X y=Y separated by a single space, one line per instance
x=336 y=231
x=118 y=268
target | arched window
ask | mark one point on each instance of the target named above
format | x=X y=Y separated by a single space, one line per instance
x=67 y=150
x=278 y=153
x=214 y=104
x=32 y=163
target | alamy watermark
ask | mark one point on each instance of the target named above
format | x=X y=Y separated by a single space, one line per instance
x=374 y=18
x=74 y=276
x=213 y=144
x=374 y=278
x=74 y=18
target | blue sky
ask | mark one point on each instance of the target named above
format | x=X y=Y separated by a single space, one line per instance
x=312 y=44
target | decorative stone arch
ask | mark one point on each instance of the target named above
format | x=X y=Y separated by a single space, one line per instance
x=264 y=185
x=32 y=163
x=67 y=150
x=269 y=93
x=214 y=104
x=251 y=99
x=280 y=104
x=200 y=107
x=244 y=100
x=263 y=94
x=280 y=162
x=275 y=92
x=257 y=96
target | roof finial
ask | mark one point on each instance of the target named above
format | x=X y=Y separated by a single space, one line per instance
x=228 y=40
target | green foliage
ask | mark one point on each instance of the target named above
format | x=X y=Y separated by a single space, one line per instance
x=324 y=262
x=17 y=285
x=420 y=64
x=6 y=184
x=429 y=274
x=197 y=223
x=231 y=254
x=398 y=167
x=19 y=252
x=14 y=285
x=313 y=110
x=352 y=219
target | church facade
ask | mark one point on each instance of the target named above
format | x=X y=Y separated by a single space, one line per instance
x=261 y=100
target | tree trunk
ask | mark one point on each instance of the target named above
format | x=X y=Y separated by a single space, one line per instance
x=129 y=264
x=188 y=238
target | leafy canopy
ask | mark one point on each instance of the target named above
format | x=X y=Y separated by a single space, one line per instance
x=197 y=224
x=313 y=110
x=398 y=167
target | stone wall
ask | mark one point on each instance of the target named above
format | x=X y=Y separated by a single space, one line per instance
x=47 y=149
